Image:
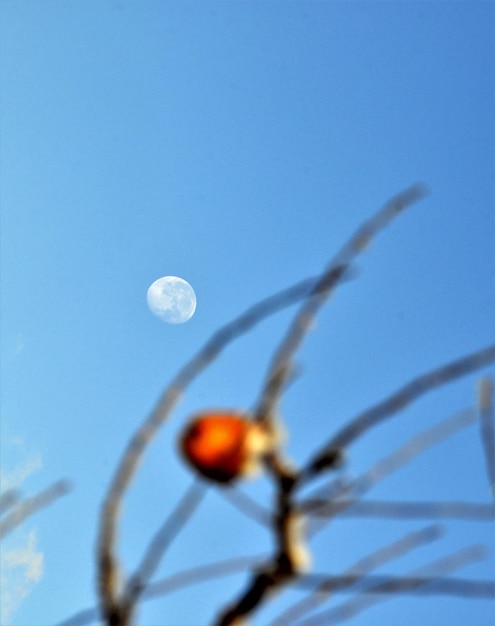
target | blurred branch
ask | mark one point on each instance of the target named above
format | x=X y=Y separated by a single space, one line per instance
x=401 y=510
x=487 y=428
x=8 y=499
x=326 y=585
x=160 y=542
x=288 y=563
x=247 y=505
x=188 y=577
x=201 y=574
x=26 y=508
x=385 y=466
x=397 y=401
x=335 y=506
x=465 y=587
x=425 y=577
x=118 y=598
x=411 y=449
x=291 y=557
x=85 y=616
x=107 y=559
x=281 y=365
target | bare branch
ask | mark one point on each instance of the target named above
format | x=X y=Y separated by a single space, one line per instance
x=118 y=598
x=411 y=449
x=400 y=399
x=188 y=577
x=487 y=427
x=385 y=466
x=247 y=505
x=85 y=616
x=419 y=577
x=8 y=499
x=402 y=510
x=108 y=565
x=202 y=573
x=107 y=559
x=288 y=562
x=162 y=539
x=27 y=507
x=326 y=585
x=281 y=366
x=464 y=587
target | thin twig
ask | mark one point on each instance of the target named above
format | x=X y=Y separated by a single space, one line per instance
x=352 y=490
x=411 y=449
x=416 y=579
x=186 y=578
x=8 y=499
x=116 y=608
x=487 y=427
x=247 y=505
x=399 y=400
x=202 y=573
x=421 y=585
x=281 y=365
x=162 y=539
x=401 y=510
x=354 y=574
x=27 y=507
x=291 y=556
x=108 y=566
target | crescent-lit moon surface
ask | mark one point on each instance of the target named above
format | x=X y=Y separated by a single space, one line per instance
x=172 y=299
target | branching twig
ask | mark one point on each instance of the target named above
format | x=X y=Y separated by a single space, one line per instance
x=27 y=507
x=353 y=490
x=270 y=578
x=280 y=367
x=291 y=557
x=354 y=574
x=107 y=559
x=188 y=577
x=162 y=539
x=108 y=566
x=428 y=575
x=118 y=600
x=398 y=400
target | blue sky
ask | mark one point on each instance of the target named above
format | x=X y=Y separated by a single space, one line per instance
x=237 y=145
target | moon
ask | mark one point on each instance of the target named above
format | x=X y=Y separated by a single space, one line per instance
x=172 y=299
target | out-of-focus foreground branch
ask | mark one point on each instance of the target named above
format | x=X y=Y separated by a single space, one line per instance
x=22 y=509
x=108 y=566
x=399 y=400
x=119 y=594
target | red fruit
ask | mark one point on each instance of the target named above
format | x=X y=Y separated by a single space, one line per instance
x=224 y=445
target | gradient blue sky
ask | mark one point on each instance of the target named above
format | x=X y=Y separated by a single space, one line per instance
x=237 y=145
